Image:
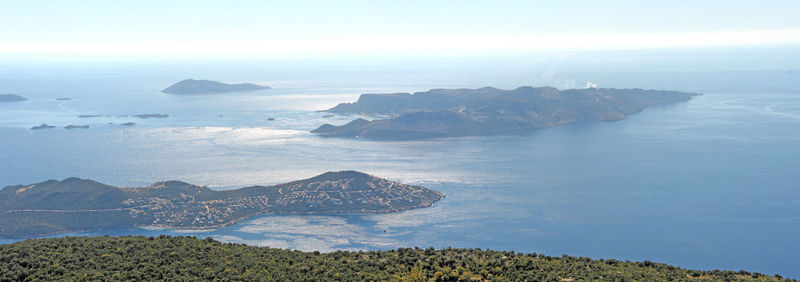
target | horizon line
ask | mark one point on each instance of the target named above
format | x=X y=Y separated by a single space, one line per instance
x=389 y=45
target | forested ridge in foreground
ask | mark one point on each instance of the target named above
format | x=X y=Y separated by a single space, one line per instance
x=172 y=258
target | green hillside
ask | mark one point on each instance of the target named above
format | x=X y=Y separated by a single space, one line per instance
x=188 y=258
x=75 y=204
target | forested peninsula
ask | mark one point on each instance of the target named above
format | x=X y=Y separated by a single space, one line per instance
x=76 y=204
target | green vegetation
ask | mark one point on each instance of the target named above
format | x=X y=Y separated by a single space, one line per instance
x=185 y=258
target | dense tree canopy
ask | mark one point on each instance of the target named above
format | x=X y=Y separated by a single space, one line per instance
x=181 y=258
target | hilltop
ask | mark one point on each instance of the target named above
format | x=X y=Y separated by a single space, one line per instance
x=187 y=258
x=75 y=204
x=193 y=86
x=461 y=112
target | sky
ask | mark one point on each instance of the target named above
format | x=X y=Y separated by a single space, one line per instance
x=376 y=26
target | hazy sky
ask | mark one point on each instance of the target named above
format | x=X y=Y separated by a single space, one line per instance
x=38 y=26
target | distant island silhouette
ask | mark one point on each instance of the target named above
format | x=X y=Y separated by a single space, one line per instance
x=11 y=98
x=441 y=113
x=194 y=87
x=42 y=126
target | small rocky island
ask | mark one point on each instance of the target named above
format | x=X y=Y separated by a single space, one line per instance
x=441 y=113
x=42 y=126
x=145 y=116
x=75 y=204
x=11 y=98
x=194 y=87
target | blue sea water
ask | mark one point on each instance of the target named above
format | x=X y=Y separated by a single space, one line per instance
x=709 y=183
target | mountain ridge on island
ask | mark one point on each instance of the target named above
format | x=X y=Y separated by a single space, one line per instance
x=440 y=113
x=75 y=204
x=202 y=86
x=11 y=98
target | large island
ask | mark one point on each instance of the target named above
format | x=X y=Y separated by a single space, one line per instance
x=461 y=112
x=75 y=204
x=201 y=86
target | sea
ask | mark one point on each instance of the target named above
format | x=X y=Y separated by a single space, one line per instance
x=711 y=183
